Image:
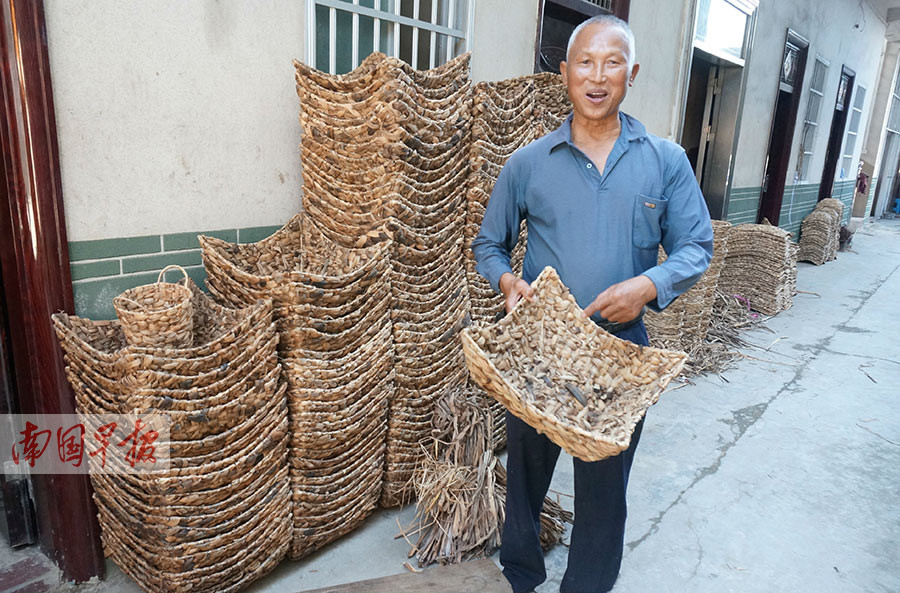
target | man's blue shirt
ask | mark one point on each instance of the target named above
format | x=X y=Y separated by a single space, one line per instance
x=599 y=228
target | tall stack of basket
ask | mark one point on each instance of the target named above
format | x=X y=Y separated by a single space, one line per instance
x=761 y=267
x=333 y=315
x=219 y=517
x=684 y=323
x=820 y=232
x=506 y=116
x=400 y=161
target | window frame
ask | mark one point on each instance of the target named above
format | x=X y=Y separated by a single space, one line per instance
x=811 y=127
x=394 y=20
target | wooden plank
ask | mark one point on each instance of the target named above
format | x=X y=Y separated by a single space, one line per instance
x=477 y=576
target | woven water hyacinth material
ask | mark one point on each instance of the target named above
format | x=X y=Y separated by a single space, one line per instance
x=820 y=232
x=219 y=517
x=157 y=315
x=332 y=310
x=397 y=169
x=545 y=357
x=760 y=267
x=685 y=322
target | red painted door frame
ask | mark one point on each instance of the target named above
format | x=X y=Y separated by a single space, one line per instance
x=36 y=279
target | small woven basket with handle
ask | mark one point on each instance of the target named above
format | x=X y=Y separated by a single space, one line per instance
x=157 y=315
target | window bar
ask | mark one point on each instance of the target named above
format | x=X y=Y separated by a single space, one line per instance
x=376 y=29
x=415 y=42
x=433 y=46
x=332 y=41
x=311 y=38
x=451 y=23
x=396 y=30
x=354 y=56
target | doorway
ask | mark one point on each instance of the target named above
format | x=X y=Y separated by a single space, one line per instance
x=710 y=125
x=793 y=66
x=836 y=136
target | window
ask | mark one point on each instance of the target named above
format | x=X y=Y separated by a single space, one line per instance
x=853 y=132
x=424 y=33
x=811 y=122
x=721 y=27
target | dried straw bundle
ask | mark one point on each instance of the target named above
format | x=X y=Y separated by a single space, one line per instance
x=218 y=518
x=563 y=375
x=461 y=487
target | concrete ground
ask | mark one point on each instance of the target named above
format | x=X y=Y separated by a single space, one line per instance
x=781 y=475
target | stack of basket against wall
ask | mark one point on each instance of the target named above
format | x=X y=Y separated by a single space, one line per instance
x=404 y=166
x=760 y=267
x=506 y=116
x=219 y=517
x=820 y=232
x=552 y=101
x=685 y=322
x=333 y=315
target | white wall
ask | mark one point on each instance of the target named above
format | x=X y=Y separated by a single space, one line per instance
x=828 y=25
x=662 y=34
x=503 y=38
x=175 y=116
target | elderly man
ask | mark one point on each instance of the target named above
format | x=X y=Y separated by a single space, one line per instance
x=599 y=196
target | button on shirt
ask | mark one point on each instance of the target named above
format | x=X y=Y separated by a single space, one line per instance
x=598 y=228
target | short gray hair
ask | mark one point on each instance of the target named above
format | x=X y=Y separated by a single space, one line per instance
x=610 y=20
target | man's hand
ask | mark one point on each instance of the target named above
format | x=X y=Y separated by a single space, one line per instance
x=514 y=289
x=623 y=301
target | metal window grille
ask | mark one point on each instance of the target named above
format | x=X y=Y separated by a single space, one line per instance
x=811 y=121
x=853 y=131
x=424 y=33
x=604 y=4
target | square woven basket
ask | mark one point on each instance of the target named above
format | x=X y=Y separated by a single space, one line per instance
x=538 y=360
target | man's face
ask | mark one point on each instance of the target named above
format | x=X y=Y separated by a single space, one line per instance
x=597 y=71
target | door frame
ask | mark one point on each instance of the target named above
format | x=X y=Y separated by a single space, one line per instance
x=836 y=141
x=802 y=44
x=35 y=261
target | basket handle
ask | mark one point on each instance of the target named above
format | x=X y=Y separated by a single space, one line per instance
x=172 y=267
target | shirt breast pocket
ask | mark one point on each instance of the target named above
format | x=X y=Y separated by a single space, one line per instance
x=648 y=215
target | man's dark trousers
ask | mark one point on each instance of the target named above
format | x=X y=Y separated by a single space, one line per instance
x=595 y=552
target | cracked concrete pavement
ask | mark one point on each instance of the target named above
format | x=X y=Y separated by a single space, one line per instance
x=781 y=475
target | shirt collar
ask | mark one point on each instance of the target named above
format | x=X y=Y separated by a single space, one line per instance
x=632 y=129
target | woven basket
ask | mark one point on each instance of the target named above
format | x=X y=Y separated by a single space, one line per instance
x=157 y=315
x=549 y=338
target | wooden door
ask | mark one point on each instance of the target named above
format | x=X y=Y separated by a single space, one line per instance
x=836 y=136
x=790 y=81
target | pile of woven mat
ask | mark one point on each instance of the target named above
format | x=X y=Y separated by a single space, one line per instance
x=506 y=116
x=820 y=232
x=685 y=322
x=332 y=311
x=760 y=267
x=218 y=516
x=389 y=152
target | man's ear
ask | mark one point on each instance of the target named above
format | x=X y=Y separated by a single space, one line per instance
x=563 y=68
x=634 y=73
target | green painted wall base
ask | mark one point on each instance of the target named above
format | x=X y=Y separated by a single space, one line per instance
x=103 y=269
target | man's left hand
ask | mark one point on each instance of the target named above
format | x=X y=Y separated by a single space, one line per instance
x=623 y=301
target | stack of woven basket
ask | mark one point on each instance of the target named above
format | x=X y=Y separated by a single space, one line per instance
x=820 y=232
x=506 y=116
x=685 y=322
x=398 y=168
x=332 y=313
x=761 y=267
x=219 y=516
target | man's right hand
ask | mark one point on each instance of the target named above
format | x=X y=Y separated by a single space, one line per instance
x=514 y=289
